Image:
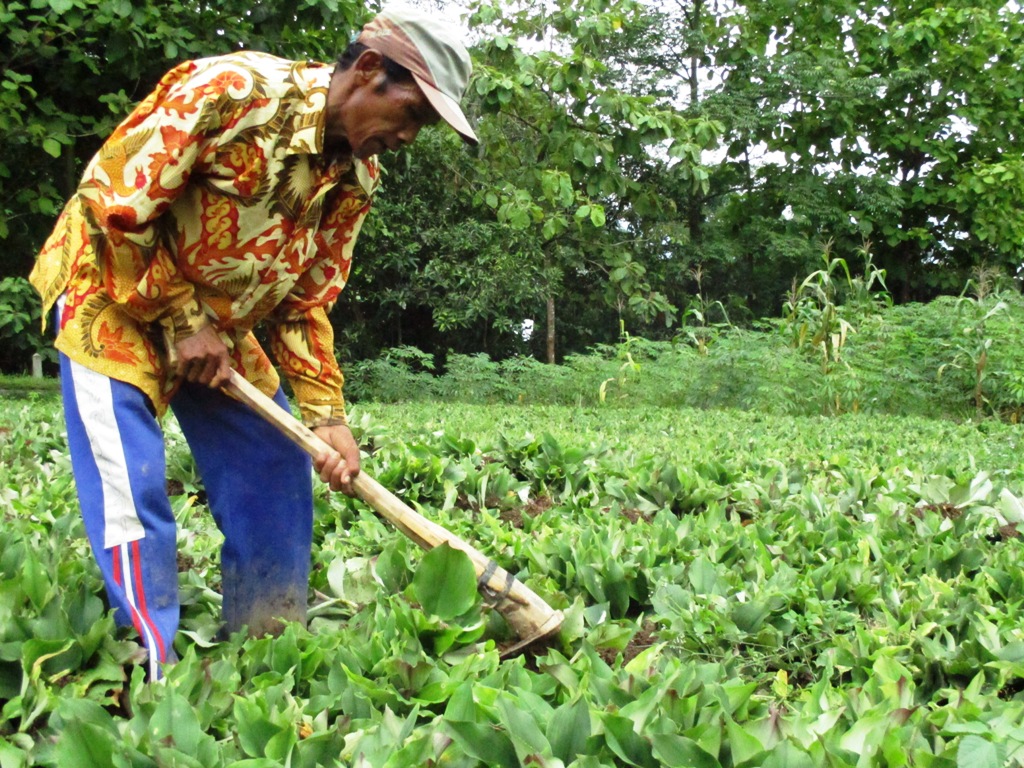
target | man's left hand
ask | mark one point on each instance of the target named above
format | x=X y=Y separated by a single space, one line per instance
x=338 y=468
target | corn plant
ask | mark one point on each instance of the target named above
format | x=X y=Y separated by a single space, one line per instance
x=700 y=331
x=973 y=342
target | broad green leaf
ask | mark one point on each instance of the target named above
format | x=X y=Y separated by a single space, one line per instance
x=174 y=723
x=255 y=731
x=1011 y=651
x=743 y=745
x=392 y=567
x=1011 y=507
x=569 y=729
x=484 y=742
x=87 y=737
x=353 y=579
x=175 y=757
x=976 y=752
x=787 y=755
x=280 y=745
x=625 y=742
x=704 y=576
x=50 y=146
x=461 y=706
x=84 y=745
x=11 y=756
x=527 y=737
x=445 y=582
x=677 y=751
x=35 y=581
x=750 y=617
x=866 y=733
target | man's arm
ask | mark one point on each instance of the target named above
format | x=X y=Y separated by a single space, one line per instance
x=302 y=338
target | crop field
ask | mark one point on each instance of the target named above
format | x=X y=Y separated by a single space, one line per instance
x=739 y=590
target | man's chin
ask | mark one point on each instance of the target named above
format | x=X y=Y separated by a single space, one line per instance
x=367 y=150
x=337 y=147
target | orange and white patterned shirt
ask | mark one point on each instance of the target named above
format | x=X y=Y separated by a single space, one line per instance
x=213 y=203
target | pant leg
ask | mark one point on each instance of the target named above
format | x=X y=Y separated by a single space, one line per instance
x=117 y=456
x=259 y=487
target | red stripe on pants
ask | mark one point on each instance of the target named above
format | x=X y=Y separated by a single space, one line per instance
x=140 y=596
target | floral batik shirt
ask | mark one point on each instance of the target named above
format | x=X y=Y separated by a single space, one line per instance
x=213 y=203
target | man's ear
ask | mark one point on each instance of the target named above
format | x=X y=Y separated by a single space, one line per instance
x=369 y=63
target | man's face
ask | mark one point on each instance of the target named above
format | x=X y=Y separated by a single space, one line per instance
x=380 y=115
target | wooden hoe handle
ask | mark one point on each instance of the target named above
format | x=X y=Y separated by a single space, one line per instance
x=529 y=616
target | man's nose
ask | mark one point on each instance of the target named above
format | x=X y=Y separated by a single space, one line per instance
x=409 y=133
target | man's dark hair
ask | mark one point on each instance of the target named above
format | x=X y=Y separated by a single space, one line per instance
x=395 y=72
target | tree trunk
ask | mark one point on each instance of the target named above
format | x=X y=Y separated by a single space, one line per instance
x=695 y=212
x=550 y=302
x=695 y=21
x=551 y=329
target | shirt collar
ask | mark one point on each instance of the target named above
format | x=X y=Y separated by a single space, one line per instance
x=309 y=120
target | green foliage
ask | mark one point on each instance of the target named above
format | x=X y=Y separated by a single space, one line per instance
x=71 y=69
x=739 y=590
x=887 y=136
x=401 y=373
x=20 y=334
x=592 y=199
x=906 y=359
x=445 y=583
x=567 y=152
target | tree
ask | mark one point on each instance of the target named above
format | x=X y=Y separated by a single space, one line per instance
x=72 y=69
x=432 y=269
x=571 y=144
x=898 y=121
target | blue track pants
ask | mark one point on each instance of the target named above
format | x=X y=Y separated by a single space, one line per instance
x=258 y=485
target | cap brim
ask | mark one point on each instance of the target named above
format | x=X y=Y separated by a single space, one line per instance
x=448 y=109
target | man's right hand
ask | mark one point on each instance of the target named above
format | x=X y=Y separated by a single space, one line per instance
x=203 y=358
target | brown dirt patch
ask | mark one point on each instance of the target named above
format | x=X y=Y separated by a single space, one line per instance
x=512 y=517
x=530 y=653
x=644 y=638
x=635 y=516
x=539 y=505
x=1009 y=531
x=516 y=516
x=947 y=510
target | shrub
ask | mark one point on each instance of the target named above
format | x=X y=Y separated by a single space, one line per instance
x=20 y=330
x=890 y=364
x=399 y=374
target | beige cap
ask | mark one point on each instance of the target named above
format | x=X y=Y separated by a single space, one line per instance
x=431 y=50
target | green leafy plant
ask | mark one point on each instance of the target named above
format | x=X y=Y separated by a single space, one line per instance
x=973 y=343
x=697 y=326
x=739 y=589
x=20 y=330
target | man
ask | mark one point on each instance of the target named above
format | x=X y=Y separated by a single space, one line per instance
x=232 y=195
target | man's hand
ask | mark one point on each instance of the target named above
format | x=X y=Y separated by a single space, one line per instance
x=339 y=467
x=203 y=358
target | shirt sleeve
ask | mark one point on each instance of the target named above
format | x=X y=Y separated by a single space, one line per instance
x=140 y=170
x=301 y=335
